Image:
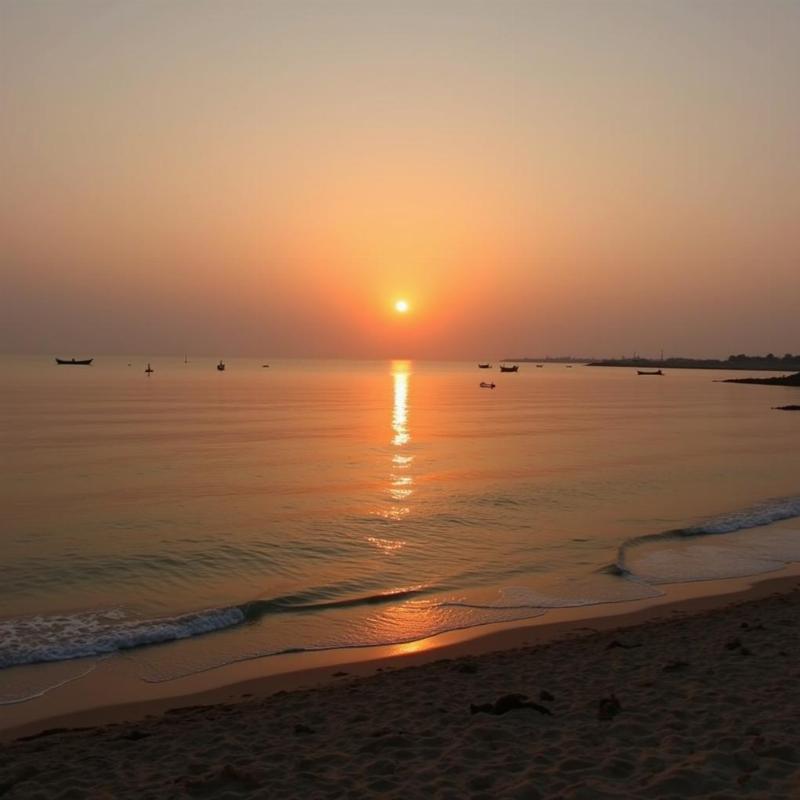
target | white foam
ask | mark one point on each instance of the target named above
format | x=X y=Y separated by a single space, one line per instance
x=32 y=640
x=755 y=517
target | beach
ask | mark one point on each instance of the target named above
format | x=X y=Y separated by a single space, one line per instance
x=698 y=700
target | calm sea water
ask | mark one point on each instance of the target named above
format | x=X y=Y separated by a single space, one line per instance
x=330 y=504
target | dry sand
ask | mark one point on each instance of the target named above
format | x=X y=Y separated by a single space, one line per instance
x=706 y=705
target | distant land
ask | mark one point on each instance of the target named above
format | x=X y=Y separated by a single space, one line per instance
x=783 y=380
x=549 y=360
x=768 y=362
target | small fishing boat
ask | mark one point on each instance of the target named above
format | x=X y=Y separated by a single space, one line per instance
x=484 y=366
x=149 y=369
x=485 y=385
x=649 y=372
x=86 y=362
x=221 y=365
x=512 y=368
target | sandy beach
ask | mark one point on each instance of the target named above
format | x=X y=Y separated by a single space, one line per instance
x=700 y=704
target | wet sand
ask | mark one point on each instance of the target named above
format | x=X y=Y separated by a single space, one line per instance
x=694 y=701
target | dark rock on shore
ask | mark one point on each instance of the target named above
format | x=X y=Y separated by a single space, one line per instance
x=509 y=702
x=608 y=707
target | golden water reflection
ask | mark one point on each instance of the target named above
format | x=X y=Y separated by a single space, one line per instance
x=400 y=375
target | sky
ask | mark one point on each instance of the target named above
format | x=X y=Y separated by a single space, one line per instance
x=269 y=178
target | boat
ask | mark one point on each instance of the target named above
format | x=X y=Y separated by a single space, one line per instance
x=539 y=366
x=485 y=385
x=512 y=368
x=149 y=368
x=484 y=366
x=221 y=365
x=265 y=366
x=648 y=372
x=85 y=362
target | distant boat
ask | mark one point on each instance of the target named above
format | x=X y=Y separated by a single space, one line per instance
x=646 y=372
x=221 y=365
x=185 y=358
x=484 y=366
x=539 y=366
x=513 y=368
x=485 y=385
x=265 y=366
x=86 y=362
x=149 y=368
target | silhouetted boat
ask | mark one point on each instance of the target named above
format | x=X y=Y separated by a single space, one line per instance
x=539 y=366
x=265 y=366
x=513 y=368
x=149 y=368
x=86 y=362
x=221 y=366
x=646 y=372
x=485 y=385
x=484 y=366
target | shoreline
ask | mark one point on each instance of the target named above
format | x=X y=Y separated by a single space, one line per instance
x=699 y=700
x=256 y=680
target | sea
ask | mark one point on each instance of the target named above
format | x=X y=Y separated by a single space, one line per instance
x=192 y=518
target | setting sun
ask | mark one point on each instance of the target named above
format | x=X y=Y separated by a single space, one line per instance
x=401 y=306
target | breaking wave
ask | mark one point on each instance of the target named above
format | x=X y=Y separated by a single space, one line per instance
x=750 y=559
x=643 y=562
x=39 y=639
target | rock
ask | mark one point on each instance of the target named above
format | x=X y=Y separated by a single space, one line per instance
x=300 y=729
x=608 y=707
x=509 y=702
x=546 y=696
x=135 y=735
x=675 y=666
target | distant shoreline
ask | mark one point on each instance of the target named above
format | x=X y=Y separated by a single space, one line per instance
x=754 y=364
x=783 y=380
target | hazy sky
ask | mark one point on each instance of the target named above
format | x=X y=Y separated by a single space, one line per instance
x=267 y=178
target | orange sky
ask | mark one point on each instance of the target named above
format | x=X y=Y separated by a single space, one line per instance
x=266 y=178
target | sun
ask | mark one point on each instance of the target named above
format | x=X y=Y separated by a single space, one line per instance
x=401 y=306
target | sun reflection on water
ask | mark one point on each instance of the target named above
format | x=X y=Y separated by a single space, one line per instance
x=401 y=483
x=400 y=374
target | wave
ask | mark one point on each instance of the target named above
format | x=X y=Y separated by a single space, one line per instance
x=35 y=640
x=40 y=639
x=256 y=609
x=754 y=517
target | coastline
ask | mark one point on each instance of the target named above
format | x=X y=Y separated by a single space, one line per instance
x=697 y=698
x=69 y=708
